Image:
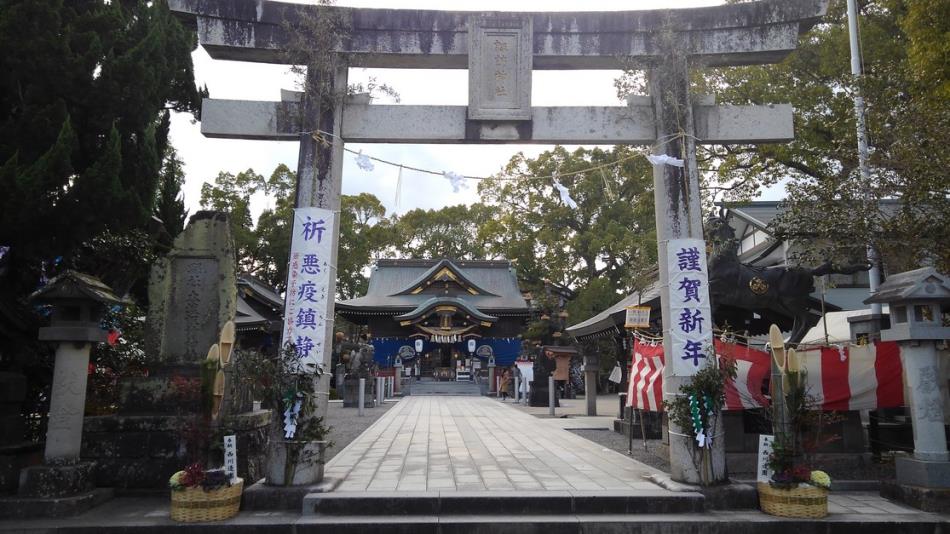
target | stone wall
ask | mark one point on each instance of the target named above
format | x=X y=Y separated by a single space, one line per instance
x=142 y=452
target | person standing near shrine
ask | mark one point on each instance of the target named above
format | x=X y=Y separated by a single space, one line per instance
x=505 y=384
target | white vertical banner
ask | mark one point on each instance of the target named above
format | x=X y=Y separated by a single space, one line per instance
x=690 y=311
x=230 y=456
x=308 y=282
x=763 y=472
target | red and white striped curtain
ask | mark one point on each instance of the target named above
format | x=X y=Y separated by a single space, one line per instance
x=852 y=377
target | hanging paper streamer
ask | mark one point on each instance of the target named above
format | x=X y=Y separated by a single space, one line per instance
x=565 y=195
x=398 y=187
x=607 y=191
x=363 y=162
x=697 y=421
x=290 y=419
x=457 y=181
x=663 y=159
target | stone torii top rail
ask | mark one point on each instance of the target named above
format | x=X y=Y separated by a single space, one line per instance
x=741 y=34
x=500 y=111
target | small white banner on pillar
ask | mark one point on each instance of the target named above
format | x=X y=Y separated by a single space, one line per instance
x=230 y=456
x=690 y=312
x=308 y=283
x=763 y=473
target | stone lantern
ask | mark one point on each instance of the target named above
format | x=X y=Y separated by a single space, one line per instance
x=916 y=299
x=78 y=303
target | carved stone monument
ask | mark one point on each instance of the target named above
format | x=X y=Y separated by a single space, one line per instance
x=192 y=295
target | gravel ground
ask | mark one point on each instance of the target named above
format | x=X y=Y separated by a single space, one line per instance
x=652 y=456
x=345 y=425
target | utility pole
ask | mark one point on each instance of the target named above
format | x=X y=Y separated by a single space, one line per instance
x=874 y=274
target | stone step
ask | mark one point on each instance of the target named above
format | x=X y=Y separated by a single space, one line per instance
x=485 y=503
x=719 y=523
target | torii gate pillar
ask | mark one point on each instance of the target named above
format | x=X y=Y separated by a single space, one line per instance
x=679 y=216
x=320 y=179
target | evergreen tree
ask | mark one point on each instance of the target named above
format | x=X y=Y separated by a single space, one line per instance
x=85 y=97
x=170 y=204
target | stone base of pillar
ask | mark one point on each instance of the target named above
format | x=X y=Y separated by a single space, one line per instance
x=52 y=481
x=53 y=507
x=924 y=473
x=927 y=499
x=260 y=496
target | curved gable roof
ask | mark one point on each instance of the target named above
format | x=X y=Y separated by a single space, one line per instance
x=391 y=277
x=428 y=305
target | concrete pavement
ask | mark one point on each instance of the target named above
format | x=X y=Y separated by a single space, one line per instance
x=477 y=444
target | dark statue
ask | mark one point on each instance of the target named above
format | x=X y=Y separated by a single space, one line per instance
x=779 y=289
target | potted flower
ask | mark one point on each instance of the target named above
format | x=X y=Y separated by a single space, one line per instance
x=296 y=452
x=794 y=489
x=204 y=495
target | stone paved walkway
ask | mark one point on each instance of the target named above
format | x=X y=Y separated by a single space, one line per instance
x=477 y=444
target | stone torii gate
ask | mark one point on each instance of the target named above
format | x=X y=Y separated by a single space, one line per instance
x=500 y=51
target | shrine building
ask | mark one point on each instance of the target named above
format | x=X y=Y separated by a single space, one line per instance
x=443 y=316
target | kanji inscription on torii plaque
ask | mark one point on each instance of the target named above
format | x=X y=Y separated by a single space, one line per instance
x=499 y=68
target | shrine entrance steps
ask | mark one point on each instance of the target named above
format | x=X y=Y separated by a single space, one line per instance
x=430 y=386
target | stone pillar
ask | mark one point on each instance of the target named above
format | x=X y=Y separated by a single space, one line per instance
x=678 y=216
x=67 y=402
x=397 y=380
x=922 y=370
x=320 y=177
x=78 y=302
x=591 y=367
x=491 y=377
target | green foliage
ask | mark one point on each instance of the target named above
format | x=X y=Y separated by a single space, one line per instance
x=170 y=202
x=232 y=194
x=830 y=209
x=709 y=382
x=592 y=299
x=84 y=103
x=263 y=249
x=365 y=234
x=611 y=235
x=699 y=407
x=459 y=232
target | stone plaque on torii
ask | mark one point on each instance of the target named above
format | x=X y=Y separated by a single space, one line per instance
x=501 y=50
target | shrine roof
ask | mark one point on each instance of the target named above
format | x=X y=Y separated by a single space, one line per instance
x=612 y=319
x=391 y=283
x=421 y=309
x=267 y=306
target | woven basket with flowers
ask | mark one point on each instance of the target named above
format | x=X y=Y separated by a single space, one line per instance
x=200 y=495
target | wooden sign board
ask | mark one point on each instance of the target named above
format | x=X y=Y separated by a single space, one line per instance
x=637 y=317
